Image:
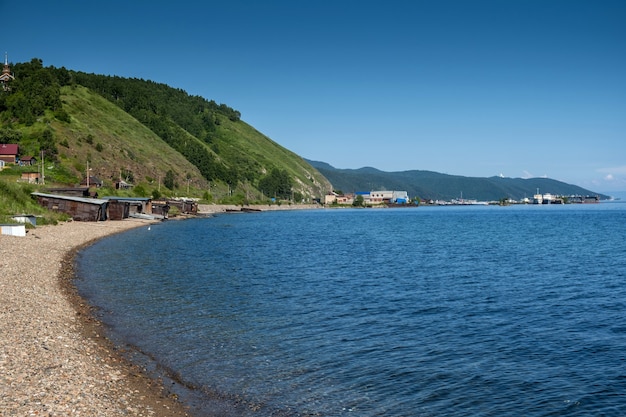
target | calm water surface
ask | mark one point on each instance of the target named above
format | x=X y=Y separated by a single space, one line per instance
x=455 y=311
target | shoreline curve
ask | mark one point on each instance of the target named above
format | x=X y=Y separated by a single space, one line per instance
x=54 y=357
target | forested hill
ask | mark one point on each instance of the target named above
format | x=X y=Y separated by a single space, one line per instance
x=437 y=186
x=61 y=113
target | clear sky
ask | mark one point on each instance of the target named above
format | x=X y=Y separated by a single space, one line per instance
x=522 y=88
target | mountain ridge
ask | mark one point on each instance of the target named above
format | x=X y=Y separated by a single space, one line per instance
x=431 y=185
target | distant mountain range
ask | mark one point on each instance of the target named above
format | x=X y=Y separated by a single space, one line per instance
x=437 y=186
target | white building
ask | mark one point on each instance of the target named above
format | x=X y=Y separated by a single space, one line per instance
x=384 y=197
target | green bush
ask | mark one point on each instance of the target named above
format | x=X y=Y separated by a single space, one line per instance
x=140 y=191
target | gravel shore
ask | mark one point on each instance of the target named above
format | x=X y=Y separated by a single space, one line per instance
x=54 y=359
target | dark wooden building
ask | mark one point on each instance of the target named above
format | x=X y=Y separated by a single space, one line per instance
x=123 y=207
x=28 y=161
x=71 y=191
x=183 y=206
x=79 y=208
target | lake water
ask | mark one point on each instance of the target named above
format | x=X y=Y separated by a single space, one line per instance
x=429 y=311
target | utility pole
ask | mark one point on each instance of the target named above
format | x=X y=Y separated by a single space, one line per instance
x=43 y=175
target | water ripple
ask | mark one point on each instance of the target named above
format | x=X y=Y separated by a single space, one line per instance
x=423 y=312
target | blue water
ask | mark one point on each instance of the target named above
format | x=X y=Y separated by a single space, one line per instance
x=430 y=311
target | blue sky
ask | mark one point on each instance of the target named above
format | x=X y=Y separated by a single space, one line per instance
x=521 y=88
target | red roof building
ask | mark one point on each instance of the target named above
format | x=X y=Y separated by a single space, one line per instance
x=9 y=152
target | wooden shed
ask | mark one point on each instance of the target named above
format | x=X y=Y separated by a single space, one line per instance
x=122 y=207
x=71 y=191
x=30 y=177
x=28 y=161
x=79 y=208
x=183 y=206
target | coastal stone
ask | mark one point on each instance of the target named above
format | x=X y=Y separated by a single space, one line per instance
x=50 y=362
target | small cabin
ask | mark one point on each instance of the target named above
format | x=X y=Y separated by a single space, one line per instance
x=28 y=161
x=92 y=181
x=30 y=177
x=123 y=185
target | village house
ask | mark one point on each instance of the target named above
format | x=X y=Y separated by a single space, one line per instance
x=384 y=197
x=9 y=153
x=330 y=198
x=92 y=181
x=26 y=161
x=30 y=177
x=345 y=199
x=342 y=199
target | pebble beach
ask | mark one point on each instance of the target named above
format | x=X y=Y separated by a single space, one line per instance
x=54 y=358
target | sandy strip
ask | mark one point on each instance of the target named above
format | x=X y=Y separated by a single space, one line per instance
x=54 y=360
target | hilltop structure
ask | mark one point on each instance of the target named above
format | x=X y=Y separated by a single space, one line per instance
x=6 y=77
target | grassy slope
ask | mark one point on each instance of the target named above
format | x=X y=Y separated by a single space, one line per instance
x=129 y=145
x=15 y=198
x=126 y=143
x=113 y=141
x=232 y=138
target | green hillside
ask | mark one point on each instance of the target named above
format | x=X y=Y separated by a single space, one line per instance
x=158 y=138
x=436 y=186
x=114 y=143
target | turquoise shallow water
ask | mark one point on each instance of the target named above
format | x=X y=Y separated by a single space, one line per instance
x=450 y=311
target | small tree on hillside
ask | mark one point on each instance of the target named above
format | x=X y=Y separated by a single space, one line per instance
x=276 y=184
x=48 y=145
x=8 y=135
x=168 y=181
